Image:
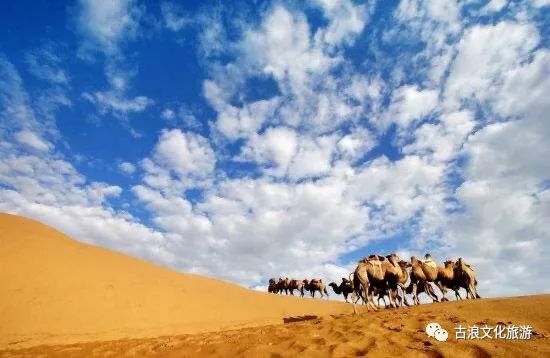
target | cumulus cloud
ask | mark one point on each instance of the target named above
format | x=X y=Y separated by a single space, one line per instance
x=127 y=167
x=483 y=53
x=105 y=25
x=410 y=103
x=186 y=154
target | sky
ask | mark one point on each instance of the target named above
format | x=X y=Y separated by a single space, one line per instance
x=249 y=140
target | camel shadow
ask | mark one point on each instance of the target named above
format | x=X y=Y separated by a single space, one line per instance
x=299 y=318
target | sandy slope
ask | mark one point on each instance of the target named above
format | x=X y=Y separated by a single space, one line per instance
x=389 y=333
x=57 y=290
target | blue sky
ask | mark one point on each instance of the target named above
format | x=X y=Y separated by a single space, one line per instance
x=252 y=140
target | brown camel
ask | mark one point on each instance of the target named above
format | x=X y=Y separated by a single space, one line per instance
x=315 y=285
x=345 y=288
x=422 y=273
x=446 y=279
x=396 y=278
x=466 y=277
x=368 y=275
x=272 y=287
x=281 y=286
x=296 y=285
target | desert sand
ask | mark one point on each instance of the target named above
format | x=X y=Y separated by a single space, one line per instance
x=60 y=297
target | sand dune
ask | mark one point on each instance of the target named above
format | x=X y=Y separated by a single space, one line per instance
x=62 y=298
x=57 y=290
x=389 y=333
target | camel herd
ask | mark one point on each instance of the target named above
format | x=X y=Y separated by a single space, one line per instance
x=288 y=286
x=381 y=276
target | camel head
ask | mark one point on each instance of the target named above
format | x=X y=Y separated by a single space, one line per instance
x=333 y=284
x=404 y=264
x=459 y=264
x=393 y=258
x=449 y=263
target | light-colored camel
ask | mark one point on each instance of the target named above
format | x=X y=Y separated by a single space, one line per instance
x=466 y=277
x=446 y=279
x=396 y=278
x=345 y=288
x=315 y=285
x=296 y=285
x=368 y=275
x=422 y=274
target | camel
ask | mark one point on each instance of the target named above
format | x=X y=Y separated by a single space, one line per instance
x=422 y=273
x=466 y=277
x=446 y=279
x=315 y=285
x=282 y=286
x=374 y=273
x=396 y=278
x=272 y=287
x=296 y=285
x=344 y=288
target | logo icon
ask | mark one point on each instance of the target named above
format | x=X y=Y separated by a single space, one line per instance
x=435 y=330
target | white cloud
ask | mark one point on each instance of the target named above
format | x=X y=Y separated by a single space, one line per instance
x=104 y=25
x=277 y=145
x=168 y=114
x=32 y=140
x=283 y=47
x=410 y=103
x=541 y=3
x=45 y=63
x=504 y=196
x=347 y=20
x=494 y=6
x=186 y=154
x=484 y=54
x=174 y=18
x=127 y=167
x=234 y=122
x=112 y=101
x=356 y=144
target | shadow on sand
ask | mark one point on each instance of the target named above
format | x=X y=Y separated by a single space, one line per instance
x=299 y=318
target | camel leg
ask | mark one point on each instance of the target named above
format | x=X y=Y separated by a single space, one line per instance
x=430 y=291
x=371 y=300
x=415 y=293
x=472 y=291
x=392 y=294
x=443 y=290
x=380 y=297
x=457 y=293
x=404 y=292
